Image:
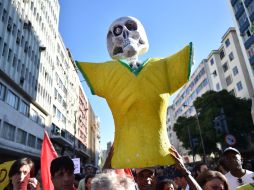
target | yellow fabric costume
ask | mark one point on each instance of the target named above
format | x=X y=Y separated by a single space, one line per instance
x=138 y=100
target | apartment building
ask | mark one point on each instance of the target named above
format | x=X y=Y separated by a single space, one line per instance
x=24 y=80
x=243 y=16
x=224 y=68
x=228 y=67
x=39 y=85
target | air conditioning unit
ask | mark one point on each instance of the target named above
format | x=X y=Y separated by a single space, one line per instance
x=42 y=48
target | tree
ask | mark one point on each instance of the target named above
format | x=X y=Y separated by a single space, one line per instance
x=211 y=107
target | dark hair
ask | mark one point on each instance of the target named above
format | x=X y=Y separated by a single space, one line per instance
x=197 y=168
x=19 y=163
x=209 y=175
x=87 y=177
x=160 y=185
x=59 y=163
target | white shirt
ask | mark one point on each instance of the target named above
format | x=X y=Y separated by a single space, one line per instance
x=233 y=181
x=187 y=187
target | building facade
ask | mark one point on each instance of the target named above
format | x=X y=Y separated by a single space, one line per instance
x=224 y=68
x=39 y=84
x=243 y=15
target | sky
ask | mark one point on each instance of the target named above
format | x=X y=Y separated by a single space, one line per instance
x=169 y=24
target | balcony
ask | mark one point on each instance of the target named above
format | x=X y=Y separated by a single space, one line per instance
x=239 y=12
x=251 y=59
x=247 y=2
x=61 y=137
x=82 y=150
x=233 y=2
x=252 y=17
x=244 y=26
x=249 y=42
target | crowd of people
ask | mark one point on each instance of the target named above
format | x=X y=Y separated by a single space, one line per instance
x=229 y=175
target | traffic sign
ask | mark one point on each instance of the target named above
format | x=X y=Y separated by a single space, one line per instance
x=230 y=139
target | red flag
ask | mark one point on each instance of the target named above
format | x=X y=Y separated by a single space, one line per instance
x=48 y=154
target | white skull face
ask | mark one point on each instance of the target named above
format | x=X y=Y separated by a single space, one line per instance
x=126 y=38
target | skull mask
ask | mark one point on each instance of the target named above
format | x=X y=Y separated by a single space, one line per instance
x=126 y=39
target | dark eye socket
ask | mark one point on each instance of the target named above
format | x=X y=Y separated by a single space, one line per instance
x=131 y=25
x=117 y=30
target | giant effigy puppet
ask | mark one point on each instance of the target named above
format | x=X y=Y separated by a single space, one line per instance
x=137 y=93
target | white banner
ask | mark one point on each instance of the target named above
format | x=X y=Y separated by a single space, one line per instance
x=76 y=162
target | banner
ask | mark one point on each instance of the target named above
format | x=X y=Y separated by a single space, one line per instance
x=4 y=171
x=76 y=162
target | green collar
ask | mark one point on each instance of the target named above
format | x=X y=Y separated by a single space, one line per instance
x=134 y=71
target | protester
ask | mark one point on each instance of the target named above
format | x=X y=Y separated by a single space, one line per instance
x=145 y=178
x=183 y=176
x=85 y=184
x=221 y=167
x=212 y=180
x=198 y=169
x=112 y=181
x=236 y=176
x=62 y=173
x=165 y=184
x=22 y=174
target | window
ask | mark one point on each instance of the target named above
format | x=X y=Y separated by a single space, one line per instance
x=225 y=67
x=231 y=56
x=34 y=115
x=39 y=143
x=228 y=80
x=9 y=55
x=31 y=140
x=8 y=131
x=218 y=86
x=251 y=8
x=54 y=110
x=14 y=61
x=237 y=6
x=227 y=42
x=14 y=29
x=4 y=49
x=23 y=108
x=212 y=61
x=58 y=114
x=32 y=5
x=4 y=16
x=2 y=91
x=12 y=99
x=21 y=136
x=55 y=93
x=239 y=86
x=41 y=121
x=222 y=54
x=242 y=19
x=235 y=71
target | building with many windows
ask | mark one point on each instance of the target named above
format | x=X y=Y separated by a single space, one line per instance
x=243 y=16
x=39 y=85
x=224 y=68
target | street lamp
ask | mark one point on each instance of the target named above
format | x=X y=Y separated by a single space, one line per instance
x=199 y=130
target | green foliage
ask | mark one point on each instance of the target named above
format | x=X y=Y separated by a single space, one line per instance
x=237 y=112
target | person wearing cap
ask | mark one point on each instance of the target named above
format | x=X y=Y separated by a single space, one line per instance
x=62 y=173
x=237 y=175
x=145 y=178
x=182 y=176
